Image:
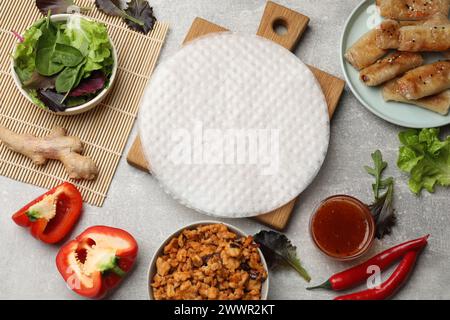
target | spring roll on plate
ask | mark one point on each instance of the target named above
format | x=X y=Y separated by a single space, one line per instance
x=425 y=81
x=439 y=103
x=415 y=36
x=433 y=20
x=437 y=19
x=388 y=34
x=365 y=52
x=424 y=38
x=391 y=66
x=412 y=9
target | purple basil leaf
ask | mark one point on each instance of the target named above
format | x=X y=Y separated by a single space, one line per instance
x=278 y=249
x=90 y=85
x=137 y=13
x=111 y=7
x=52 y=100
x=141 y=10
x=54 y=6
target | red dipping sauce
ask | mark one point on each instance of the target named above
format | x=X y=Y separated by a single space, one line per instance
x=342 y=227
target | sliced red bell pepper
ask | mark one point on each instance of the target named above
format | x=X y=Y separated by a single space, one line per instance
x=53 y=215
x=97 y=260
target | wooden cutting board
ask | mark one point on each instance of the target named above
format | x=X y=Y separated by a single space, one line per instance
x=295 y=24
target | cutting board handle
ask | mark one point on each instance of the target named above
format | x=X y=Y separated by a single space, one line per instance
x=277 y=19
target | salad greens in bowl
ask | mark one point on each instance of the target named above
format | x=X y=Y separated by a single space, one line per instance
x=65 y=63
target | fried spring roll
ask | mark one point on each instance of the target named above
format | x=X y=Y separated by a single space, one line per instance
x=406 y=23
x=436 y=19
x=412 y=9
x=425 y=81
x=424 y=38
x=391 y=66
x=364 y=52
x=439 y=103
x=388 y=34
x=414 y=36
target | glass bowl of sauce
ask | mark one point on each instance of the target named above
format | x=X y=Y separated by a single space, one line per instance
x=342 y=227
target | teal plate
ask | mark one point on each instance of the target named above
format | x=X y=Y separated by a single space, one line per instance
x=364 y=18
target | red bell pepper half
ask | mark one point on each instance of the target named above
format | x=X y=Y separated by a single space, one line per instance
x=51 y=216
x=97 y=260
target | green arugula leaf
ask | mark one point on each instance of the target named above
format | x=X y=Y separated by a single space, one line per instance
x=382 y=208
x=426 y=158
x=278 y=249
x=380 y=165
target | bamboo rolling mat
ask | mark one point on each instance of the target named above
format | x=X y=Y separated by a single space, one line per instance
x=104 y=130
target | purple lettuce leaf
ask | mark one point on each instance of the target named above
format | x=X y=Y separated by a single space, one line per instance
x=90 y=85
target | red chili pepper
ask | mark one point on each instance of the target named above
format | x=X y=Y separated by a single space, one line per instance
x=358 y=274
x=391 y=285
x=97 y=260
x=53 y=215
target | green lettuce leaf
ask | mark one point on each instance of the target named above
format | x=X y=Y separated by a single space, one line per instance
x=91 y=39
x=35 y=98
x=426 y=158
x=25 y=54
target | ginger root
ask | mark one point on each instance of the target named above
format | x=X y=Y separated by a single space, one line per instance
x=56 y=146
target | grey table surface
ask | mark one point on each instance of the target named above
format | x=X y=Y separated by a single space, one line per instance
x=136 y=203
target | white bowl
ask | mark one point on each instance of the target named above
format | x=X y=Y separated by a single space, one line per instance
x=152 y=267
x=86 y=106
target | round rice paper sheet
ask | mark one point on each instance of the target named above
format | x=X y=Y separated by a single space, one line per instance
x=234 y=125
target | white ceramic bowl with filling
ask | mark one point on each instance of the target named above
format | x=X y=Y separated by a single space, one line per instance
x=158 y=253
x=83 y=107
